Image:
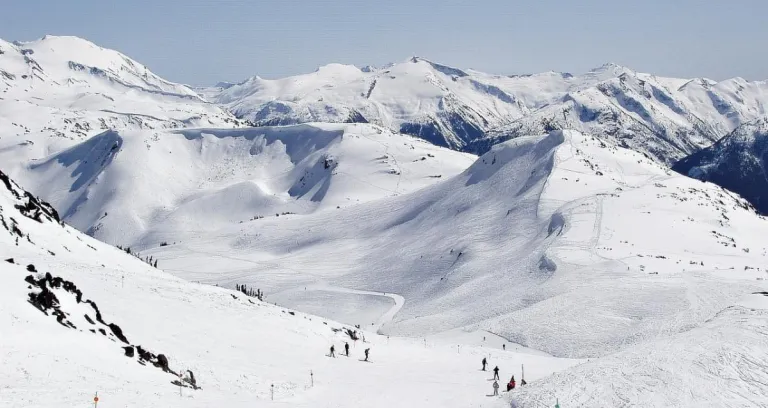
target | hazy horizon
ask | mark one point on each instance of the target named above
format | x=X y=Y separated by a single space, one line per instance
x=204 y=42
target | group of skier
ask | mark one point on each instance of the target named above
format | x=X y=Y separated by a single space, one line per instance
x=346 y=351
x=510 y=385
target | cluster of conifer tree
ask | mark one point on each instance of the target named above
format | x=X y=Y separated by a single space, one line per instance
x=149 y=260
x=244 y=289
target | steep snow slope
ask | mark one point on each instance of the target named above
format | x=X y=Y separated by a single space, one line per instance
x=57 y=91
x=737 y=162
x=666 y=118
x=133 y=188
x=563 y=243
x=80 y=317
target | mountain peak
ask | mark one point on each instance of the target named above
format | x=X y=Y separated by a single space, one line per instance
x=611 y=67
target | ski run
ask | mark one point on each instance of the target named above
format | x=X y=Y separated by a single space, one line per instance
x=164 y=246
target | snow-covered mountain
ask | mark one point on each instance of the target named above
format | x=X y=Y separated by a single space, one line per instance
x=738 y=162
x=666 y=118
x=562 y=246
x=58 y=91
x=443 y=105
x=122 y=186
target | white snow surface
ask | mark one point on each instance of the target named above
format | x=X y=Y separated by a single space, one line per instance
x=243 y=352
x=562 y=245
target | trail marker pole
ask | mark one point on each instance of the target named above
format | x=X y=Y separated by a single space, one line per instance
x=272 y=392
x=522 y=377
x=96 y=400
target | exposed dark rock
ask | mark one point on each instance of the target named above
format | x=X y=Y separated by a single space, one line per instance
x=47 y=302
x=162 y=362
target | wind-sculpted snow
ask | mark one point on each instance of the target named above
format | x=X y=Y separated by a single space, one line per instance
x=134 y=188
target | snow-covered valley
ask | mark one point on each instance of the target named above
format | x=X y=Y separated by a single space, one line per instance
x=567 y=245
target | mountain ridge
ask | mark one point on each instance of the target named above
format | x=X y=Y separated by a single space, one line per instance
x=470 y=111
x=738 y=162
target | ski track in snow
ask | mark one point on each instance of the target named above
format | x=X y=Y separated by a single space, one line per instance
x=398 y=301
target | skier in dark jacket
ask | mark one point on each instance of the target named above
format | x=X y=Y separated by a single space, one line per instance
x=366 y=353
x=484 y=363
x=496 y=373
x=333 y=351
x=346 y=348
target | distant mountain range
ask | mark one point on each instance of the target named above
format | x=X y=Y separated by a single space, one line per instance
x=665 y=118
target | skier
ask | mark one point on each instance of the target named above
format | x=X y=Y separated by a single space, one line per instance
x=366 y=353
x=504 y=346
x=484 y=363
x=511 y=384
x=495 y=387
x=346 y=348
x=496 y=373
x=333 y=351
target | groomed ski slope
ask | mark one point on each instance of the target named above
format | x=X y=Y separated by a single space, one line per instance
x=561 y=243
x=237 y=347
x=719 y=364
x=131 y=188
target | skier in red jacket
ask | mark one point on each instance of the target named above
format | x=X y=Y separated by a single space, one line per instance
x=511 y=384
